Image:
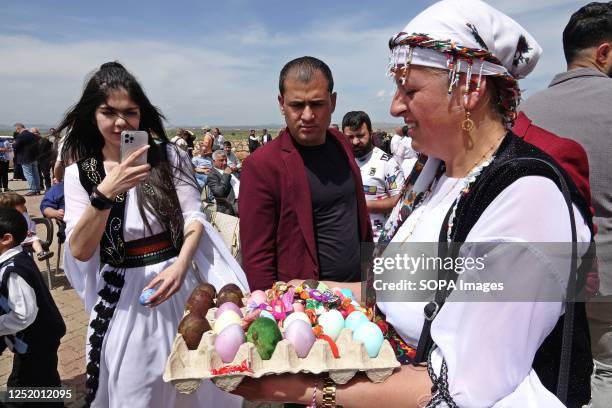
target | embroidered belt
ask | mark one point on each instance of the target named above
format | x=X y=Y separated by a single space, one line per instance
x=149 y=251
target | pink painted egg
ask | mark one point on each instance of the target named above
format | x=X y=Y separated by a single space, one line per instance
x=227 y=306
x=228 y=342
x=301 y=336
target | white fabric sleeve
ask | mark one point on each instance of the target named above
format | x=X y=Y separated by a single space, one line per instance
x=489 y=346
x=22 y=302
x=82 y=276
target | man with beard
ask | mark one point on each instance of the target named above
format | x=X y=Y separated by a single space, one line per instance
x=576 y=105
x=381 y=175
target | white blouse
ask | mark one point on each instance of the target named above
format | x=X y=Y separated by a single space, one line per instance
x=489 y=346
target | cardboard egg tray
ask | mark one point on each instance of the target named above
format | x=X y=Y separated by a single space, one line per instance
x=187 y=368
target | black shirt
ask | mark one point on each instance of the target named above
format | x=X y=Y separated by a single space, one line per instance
x=334 y=211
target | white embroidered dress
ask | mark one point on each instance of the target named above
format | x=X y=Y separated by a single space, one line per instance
x=139 y=339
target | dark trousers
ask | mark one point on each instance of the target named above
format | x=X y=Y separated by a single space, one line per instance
x=44 y=168
x=17 y=172
x=36 y=368
x=4 y=169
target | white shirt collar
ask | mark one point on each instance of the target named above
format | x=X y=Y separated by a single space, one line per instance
x=10 y=253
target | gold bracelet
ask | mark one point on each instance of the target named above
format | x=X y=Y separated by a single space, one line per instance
x=329 y=393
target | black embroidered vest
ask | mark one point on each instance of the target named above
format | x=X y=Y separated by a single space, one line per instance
x=112 y=246
x=494 y=179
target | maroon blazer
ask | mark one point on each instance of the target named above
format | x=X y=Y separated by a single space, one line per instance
x=568 y=153
x=276 y=226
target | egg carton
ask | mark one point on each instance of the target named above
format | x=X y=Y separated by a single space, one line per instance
x=187 y=368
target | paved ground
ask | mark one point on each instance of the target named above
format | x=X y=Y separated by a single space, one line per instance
x=72 y=348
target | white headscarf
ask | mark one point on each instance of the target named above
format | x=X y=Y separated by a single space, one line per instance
x=468 y=36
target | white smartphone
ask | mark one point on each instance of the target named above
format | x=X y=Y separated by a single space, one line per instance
x=132 y=140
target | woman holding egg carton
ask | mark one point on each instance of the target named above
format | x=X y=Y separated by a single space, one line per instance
x=456 y=67
x=133 y=227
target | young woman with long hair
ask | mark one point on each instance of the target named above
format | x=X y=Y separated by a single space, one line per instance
x=133 y=227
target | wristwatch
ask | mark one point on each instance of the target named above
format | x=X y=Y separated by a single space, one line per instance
x=329 y=393
x=99 y=201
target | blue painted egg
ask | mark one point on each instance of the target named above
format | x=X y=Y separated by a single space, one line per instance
x=145 y=296
x=371 y=337
x=332 y=323
x=355 y=319
x=347 y=293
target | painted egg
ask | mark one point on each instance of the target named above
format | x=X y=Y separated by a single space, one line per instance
x=264 y=334
x=225 y=319
x=371 y=337
x=265 y=313
x=347 y=293
x=227 y=306
x=332 y=323
x=355 y=319
x=145 y=296
x=228 y=342
x=300 y=334
x=256 y=298
x=298 y=307
x=296 y=316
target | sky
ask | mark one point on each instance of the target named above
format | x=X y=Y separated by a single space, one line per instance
x=217 y=62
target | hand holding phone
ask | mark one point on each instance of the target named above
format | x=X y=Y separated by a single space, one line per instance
x=126 y=175
x=132 y=140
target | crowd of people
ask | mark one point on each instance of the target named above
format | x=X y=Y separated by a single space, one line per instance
x=472 y=163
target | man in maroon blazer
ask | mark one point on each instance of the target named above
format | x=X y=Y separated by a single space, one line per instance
x=302 y=209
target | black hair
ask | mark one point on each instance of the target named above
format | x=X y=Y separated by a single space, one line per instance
x=84 y=140
x=405 y=130
x=304 y=68
x=587 y=27
x=355 y=119
x=227 y=143
x=12 y=222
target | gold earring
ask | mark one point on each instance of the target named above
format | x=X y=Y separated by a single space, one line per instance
x=467 y=124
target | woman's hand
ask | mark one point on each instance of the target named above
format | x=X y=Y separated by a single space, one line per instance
x=125 y=175
x=296 y=388
x=169 y=281
x=171 y=278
